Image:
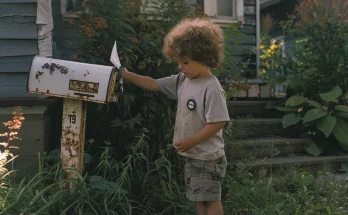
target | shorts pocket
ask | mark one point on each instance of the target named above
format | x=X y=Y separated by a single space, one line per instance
x=212 y=186
x=192 y=170
x=220 y=169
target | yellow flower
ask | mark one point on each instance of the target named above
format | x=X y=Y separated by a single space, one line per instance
x=273 y=47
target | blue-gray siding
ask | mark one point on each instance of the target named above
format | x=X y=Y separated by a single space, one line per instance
x=13 y=85
x=63 y=34
x=18 y=45
x=243 y=46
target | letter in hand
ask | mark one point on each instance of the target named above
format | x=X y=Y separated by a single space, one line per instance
x=114 y=57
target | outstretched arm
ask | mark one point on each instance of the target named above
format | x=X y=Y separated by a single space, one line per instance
x=208 y=131
x=145 y=82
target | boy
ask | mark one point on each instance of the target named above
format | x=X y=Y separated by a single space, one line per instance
x=196 y=45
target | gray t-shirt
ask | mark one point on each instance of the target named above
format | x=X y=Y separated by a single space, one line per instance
x=200 y=101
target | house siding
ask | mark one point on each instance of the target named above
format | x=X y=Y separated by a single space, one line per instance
x=64 y=34
x=243 y=47
x=18 y=45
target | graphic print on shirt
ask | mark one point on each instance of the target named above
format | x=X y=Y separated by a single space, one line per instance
x=191 y=104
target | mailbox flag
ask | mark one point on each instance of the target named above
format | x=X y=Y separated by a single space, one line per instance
x=114 y=57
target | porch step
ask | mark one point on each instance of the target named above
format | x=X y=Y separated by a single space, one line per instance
x=256 y=108
x=265 y=147
x=262 y=127
x=307 y=162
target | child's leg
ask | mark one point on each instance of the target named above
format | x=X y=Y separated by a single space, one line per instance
x=214 y=208
x=200 y=208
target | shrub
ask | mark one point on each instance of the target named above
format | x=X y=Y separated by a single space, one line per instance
x=317 y=73
x=139 y=39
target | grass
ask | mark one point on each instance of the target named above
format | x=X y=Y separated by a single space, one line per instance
x=293 y=191
x=160 y=190
x=133 y=184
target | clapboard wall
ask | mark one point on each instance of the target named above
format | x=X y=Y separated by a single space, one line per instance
x=243 y=46
x=18 y=45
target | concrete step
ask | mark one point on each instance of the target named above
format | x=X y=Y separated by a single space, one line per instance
x=307 y=162
x=262 y=127
x=257 y=108
x=265 y=147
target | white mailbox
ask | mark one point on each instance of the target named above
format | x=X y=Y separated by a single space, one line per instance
x=73 y=80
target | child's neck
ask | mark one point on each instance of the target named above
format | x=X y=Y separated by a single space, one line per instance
x=204 y=74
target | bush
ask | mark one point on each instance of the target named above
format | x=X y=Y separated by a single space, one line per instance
x=139 y=39
x=317 y=73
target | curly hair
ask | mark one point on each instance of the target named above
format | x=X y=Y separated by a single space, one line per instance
x=197 y=38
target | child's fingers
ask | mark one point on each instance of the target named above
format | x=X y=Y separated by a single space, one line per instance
x=177 y=144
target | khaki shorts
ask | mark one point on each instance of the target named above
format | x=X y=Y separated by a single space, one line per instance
x=203 y=179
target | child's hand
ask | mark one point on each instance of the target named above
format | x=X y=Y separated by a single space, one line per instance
x=184 y=145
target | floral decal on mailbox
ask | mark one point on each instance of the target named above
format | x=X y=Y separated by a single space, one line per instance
x=83 y=86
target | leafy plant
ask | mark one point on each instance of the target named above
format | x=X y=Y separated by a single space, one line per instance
x=13 y=126
x=326 y=113
x=272 y=63
x=319 y=57
x=316 y=72
x=6 y=157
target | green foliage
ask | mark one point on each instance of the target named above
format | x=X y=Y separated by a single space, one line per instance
x=272 y=60
x=129 y=188
x=319 y=58
x=116 y=186
x=324 y=114
x=292 y=191
x=139 y=35
x=316 y=73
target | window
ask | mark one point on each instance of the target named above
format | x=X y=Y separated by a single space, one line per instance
x=224 y=11
x=220 y=11
x=70 y=7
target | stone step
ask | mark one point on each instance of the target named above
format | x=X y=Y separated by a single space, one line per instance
x=265 y=147
x=307 y=162
x=256 y=108
x=261 y=127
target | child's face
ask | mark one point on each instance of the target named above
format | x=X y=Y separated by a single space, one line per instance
x=192 y=69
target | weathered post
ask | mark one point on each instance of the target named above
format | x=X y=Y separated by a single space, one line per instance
x=73 y=136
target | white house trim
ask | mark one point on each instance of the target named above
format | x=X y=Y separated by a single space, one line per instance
x=267 y=3
x=44 y=21
x=210 y=8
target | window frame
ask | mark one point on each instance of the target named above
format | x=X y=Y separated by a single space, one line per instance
x=64 y=12
x=210 y=8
